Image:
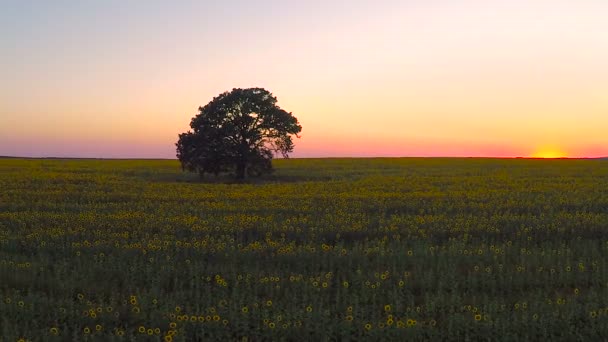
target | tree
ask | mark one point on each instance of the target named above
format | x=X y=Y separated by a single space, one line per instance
x=238 y=131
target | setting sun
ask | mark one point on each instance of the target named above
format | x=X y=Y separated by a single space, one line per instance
x=548 y=153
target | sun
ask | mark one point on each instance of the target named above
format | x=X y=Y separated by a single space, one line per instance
x=549 y=152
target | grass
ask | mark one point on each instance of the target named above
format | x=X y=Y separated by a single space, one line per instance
x=349 y=249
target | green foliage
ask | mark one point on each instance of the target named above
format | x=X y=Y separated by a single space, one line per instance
x=237 y=131
x=348 y=249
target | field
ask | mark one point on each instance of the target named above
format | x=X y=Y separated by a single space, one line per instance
x=343 y=249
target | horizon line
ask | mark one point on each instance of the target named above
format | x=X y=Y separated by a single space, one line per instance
x=325 y=157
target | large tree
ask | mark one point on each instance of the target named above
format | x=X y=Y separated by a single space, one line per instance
x=238 y=131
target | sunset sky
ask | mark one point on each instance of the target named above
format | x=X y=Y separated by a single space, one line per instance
x=365 y=78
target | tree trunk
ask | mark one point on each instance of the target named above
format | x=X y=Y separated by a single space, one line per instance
x=241 y=164
x=241 y=170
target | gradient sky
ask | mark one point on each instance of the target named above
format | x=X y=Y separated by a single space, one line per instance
x=365 y=78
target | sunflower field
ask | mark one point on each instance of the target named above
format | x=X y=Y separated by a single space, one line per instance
x=323 y=249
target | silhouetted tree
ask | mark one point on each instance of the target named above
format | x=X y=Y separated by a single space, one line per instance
x=238 y=131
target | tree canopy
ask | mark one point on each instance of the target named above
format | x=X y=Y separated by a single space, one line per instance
x=239 y=132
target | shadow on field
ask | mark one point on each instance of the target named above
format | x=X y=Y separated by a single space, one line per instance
x=192 y=178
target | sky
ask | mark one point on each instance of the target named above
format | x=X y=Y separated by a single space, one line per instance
x=488 y=78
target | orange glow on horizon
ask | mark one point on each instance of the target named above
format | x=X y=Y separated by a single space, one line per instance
x=549 y=152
